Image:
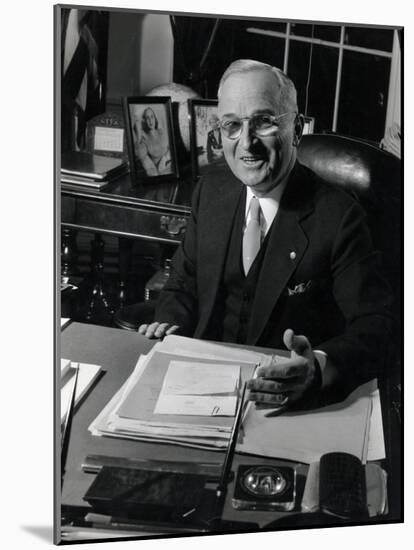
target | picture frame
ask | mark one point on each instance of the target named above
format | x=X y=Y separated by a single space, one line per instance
x=308 y=125
x=205 y=136
x=150 y=138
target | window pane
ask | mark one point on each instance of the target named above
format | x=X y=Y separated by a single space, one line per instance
x=363 y=96
x=327 y=32
x=321 y=90
x=267 y=49
x=301 y=29
x=377 y=39
x=267 y=25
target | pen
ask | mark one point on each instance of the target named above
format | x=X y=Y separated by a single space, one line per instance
x=68 y=426
x=228 y=460
x=276 y=412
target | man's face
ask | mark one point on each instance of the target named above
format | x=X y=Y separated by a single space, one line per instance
x=260 y=163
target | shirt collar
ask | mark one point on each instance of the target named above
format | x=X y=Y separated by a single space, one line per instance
x=269 y=204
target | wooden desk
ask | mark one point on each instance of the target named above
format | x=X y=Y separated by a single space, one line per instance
x=117 y=352
x=157 y=212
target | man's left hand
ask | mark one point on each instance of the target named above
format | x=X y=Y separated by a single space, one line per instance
x=285 y=382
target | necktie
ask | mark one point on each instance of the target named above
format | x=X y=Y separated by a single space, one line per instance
x=252 y=235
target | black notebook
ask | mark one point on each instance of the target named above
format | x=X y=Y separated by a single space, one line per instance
x=88 y=165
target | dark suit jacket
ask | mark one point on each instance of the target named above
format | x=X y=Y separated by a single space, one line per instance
x=320 y=275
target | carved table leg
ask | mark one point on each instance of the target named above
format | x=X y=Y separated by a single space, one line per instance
x=69 y=252
x=98 y=292
x=125 y=252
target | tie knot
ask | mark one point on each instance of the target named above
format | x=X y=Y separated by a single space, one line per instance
x=255 y=209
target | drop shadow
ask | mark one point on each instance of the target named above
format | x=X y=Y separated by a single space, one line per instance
x=43 y=532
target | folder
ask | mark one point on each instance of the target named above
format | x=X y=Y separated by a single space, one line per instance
x=88 y=165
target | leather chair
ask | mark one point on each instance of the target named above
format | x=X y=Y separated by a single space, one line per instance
x=373 y=176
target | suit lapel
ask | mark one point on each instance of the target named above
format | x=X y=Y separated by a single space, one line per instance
x=215 y=234
x=286 y=246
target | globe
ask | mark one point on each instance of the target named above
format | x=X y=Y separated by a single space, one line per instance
x=179 y=94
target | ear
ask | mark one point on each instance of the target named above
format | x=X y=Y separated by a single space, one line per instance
x=299 y=122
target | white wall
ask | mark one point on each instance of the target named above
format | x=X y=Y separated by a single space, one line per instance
x=157 y=50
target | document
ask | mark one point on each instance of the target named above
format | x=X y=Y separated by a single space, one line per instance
x=199 y=389
x=306 y=436
x=196 y=405
x=195 y=378
x=88 y=374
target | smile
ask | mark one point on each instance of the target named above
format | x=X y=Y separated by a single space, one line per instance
x=251 y=160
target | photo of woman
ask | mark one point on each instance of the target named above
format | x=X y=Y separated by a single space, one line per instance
x=151 y=147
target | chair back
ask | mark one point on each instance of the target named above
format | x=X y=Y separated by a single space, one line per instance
x=373 y=176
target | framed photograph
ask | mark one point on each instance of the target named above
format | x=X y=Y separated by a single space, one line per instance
x=309 y=125
x=151 y=146
x=206 y=145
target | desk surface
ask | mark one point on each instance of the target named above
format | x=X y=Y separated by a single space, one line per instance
x=117 y=351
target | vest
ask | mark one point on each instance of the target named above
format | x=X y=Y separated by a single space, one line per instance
x=231 y=314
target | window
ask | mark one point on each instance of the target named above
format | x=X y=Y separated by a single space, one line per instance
x=342 y=73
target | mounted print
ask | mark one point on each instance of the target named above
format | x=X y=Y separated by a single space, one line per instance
x=151 y=147
x=206 y=140
x=194 y=433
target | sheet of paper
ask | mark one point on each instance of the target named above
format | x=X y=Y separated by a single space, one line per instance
x=198 y=405
x=87 y=375
x=376 y=443
x=109 y=139
x=191 y=346
x=184 y=378
x=306 y=436
x=65 y=365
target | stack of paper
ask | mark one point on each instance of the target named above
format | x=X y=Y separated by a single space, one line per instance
x=185 y=392
x=179 y=394
x=86 y=377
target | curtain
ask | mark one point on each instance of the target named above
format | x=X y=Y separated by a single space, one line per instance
x=83 y=69
x=203 y=48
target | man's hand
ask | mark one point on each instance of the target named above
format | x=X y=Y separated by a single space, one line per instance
x=285 y=382
x=157 y=330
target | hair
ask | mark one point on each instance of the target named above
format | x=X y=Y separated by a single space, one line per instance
x=288 y=95
x=144 y=124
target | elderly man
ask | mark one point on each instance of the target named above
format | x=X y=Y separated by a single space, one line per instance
x=273 y=256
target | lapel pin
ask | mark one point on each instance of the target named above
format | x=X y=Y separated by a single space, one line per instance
x=292 y=255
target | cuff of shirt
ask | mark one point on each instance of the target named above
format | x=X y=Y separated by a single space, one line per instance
x=321 y=359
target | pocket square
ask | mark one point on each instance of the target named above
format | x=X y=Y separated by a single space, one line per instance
x=299 y=289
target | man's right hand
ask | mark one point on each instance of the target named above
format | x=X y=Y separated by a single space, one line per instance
x=157 y=330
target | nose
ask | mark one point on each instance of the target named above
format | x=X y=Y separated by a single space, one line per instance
x=246 y=136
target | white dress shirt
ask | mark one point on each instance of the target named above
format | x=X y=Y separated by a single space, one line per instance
x=269 y=206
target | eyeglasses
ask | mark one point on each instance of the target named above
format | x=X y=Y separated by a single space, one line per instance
x=261 y=125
